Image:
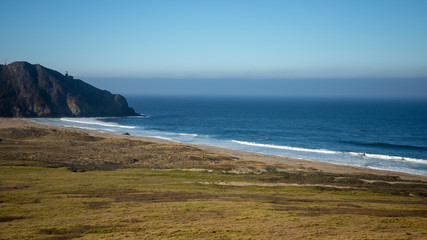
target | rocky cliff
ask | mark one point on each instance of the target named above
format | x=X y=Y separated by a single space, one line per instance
x=28 y=90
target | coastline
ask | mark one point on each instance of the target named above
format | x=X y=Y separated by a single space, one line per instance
x=55 y=178
x=259 y=162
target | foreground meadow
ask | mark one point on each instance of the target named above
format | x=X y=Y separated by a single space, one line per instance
x=55 y=203
x=67 y=184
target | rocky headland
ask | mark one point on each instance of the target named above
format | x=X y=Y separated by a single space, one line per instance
x=31 y=90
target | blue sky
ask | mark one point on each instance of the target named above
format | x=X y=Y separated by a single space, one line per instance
x=233 y=39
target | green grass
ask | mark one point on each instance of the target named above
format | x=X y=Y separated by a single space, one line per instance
x=55 y=203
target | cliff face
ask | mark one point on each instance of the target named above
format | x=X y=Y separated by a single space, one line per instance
x=28 y=90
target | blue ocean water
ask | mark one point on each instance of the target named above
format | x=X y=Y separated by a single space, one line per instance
x=381 y=134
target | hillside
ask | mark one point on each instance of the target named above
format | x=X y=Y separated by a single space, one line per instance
x=29 y=90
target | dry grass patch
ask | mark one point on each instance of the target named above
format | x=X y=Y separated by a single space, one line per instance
x=9 y=218
x=317 y=211
x=79 y=151
x=73 y=232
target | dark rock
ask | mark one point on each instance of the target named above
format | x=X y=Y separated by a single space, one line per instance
x=35 y=91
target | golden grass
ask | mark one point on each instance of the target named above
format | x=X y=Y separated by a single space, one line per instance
x=47 y=203
x=66 y=184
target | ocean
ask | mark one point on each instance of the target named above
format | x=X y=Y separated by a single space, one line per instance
x=379 y=134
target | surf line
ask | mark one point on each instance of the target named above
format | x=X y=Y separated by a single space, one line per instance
x=93 y=121
x=325 y=151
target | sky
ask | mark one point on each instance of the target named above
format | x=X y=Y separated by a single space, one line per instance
x=216 y=46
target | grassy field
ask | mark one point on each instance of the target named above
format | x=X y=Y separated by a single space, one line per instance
x=55 y=203
x=46 y=194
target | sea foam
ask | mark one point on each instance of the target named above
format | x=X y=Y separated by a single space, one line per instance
x=388 y=157
x=188 y=134
x=325 y=151
x=162 y=138
x=93 y=121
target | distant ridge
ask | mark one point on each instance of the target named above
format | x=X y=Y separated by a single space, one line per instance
x=29 y=90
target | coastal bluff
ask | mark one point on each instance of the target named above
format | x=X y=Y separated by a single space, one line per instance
x=31 y=90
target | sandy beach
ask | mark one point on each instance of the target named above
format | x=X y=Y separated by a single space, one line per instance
x=241 y=162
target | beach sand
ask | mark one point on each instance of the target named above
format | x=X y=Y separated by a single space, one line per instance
x=183 y=155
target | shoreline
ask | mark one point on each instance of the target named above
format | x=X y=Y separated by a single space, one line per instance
x=256 y=158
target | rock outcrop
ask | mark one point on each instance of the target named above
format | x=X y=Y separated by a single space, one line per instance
x=28 y=90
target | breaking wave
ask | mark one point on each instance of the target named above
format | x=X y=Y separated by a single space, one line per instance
x=285 y=147
x=325 y=151
x=162 y=138
x=188 y=134
x=388 y=157
x=94 y=121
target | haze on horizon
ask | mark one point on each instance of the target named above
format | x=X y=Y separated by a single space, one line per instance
x=310 y=48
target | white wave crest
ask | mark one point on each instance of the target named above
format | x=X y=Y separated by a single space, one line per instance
x=89 y=128
x=93 y=121
x=79 y=127
x=162 y=138
x=324 y=151
x=188 y=134
x=286 y=147
x=388 y=157
x=140 y=116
